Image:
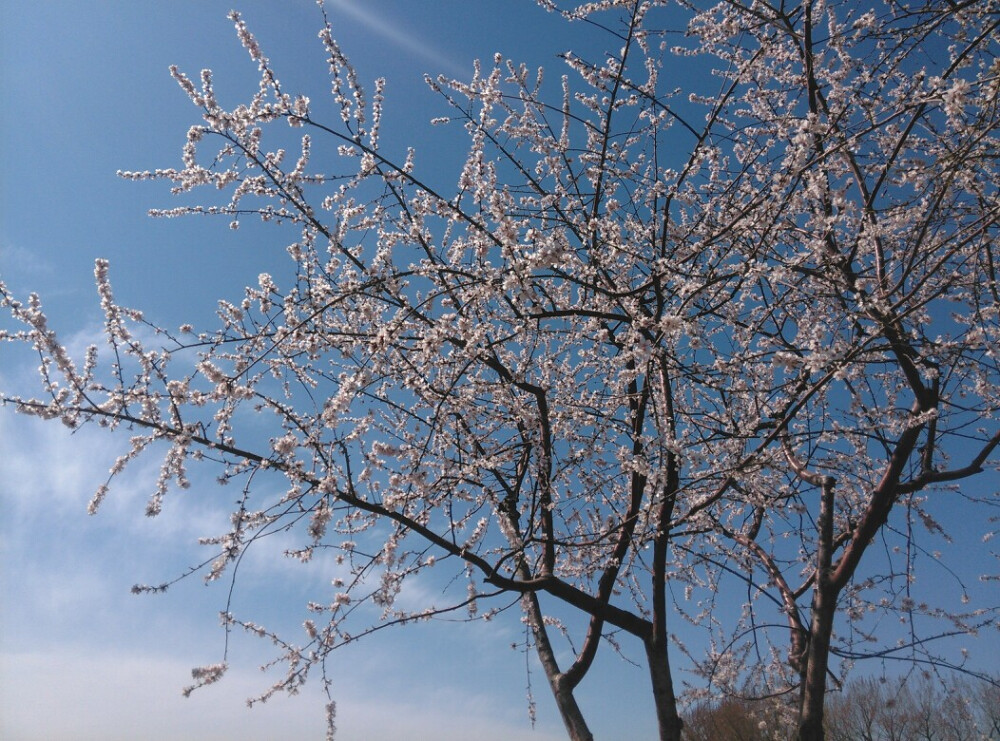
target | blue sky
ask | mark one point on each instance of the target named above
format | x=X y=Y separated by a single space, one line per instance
x=86 y=92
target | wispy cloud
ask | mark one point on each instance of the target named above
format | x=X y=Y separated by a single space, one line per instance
x=384 y=26
x=114 y=664
x=26 y=261
x=118 y=696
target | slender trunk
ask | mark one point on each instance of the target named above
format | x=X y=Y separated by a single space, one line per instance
x=668 y=720
x=824 y=602
x=824 y=606
x=562 y=689
x=576 y=726
x=813 y=691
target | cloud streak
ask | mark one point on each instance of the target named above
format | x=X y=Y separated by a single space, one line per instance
x=382 y=26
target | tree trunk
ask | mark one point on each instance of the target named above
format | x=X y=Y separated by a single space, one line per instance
x=576 y=726
x=562 y=690
x=824 y=605
x=817 y=658
x=668 y=720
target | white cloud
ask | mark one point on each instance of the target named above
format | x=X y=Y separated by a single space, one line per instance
x=76 y=694
x=384 y=27
x=27 y=261
x=82 y=659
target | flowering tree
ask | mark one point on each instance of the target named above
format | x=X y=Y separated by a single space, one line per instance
x=655 y=337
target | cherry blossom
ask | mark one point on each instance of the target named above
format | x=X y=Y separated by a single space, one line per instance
x=656 y=342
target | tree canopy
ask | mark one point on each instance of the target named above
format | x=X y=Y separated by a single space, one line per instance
x=668 y=335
